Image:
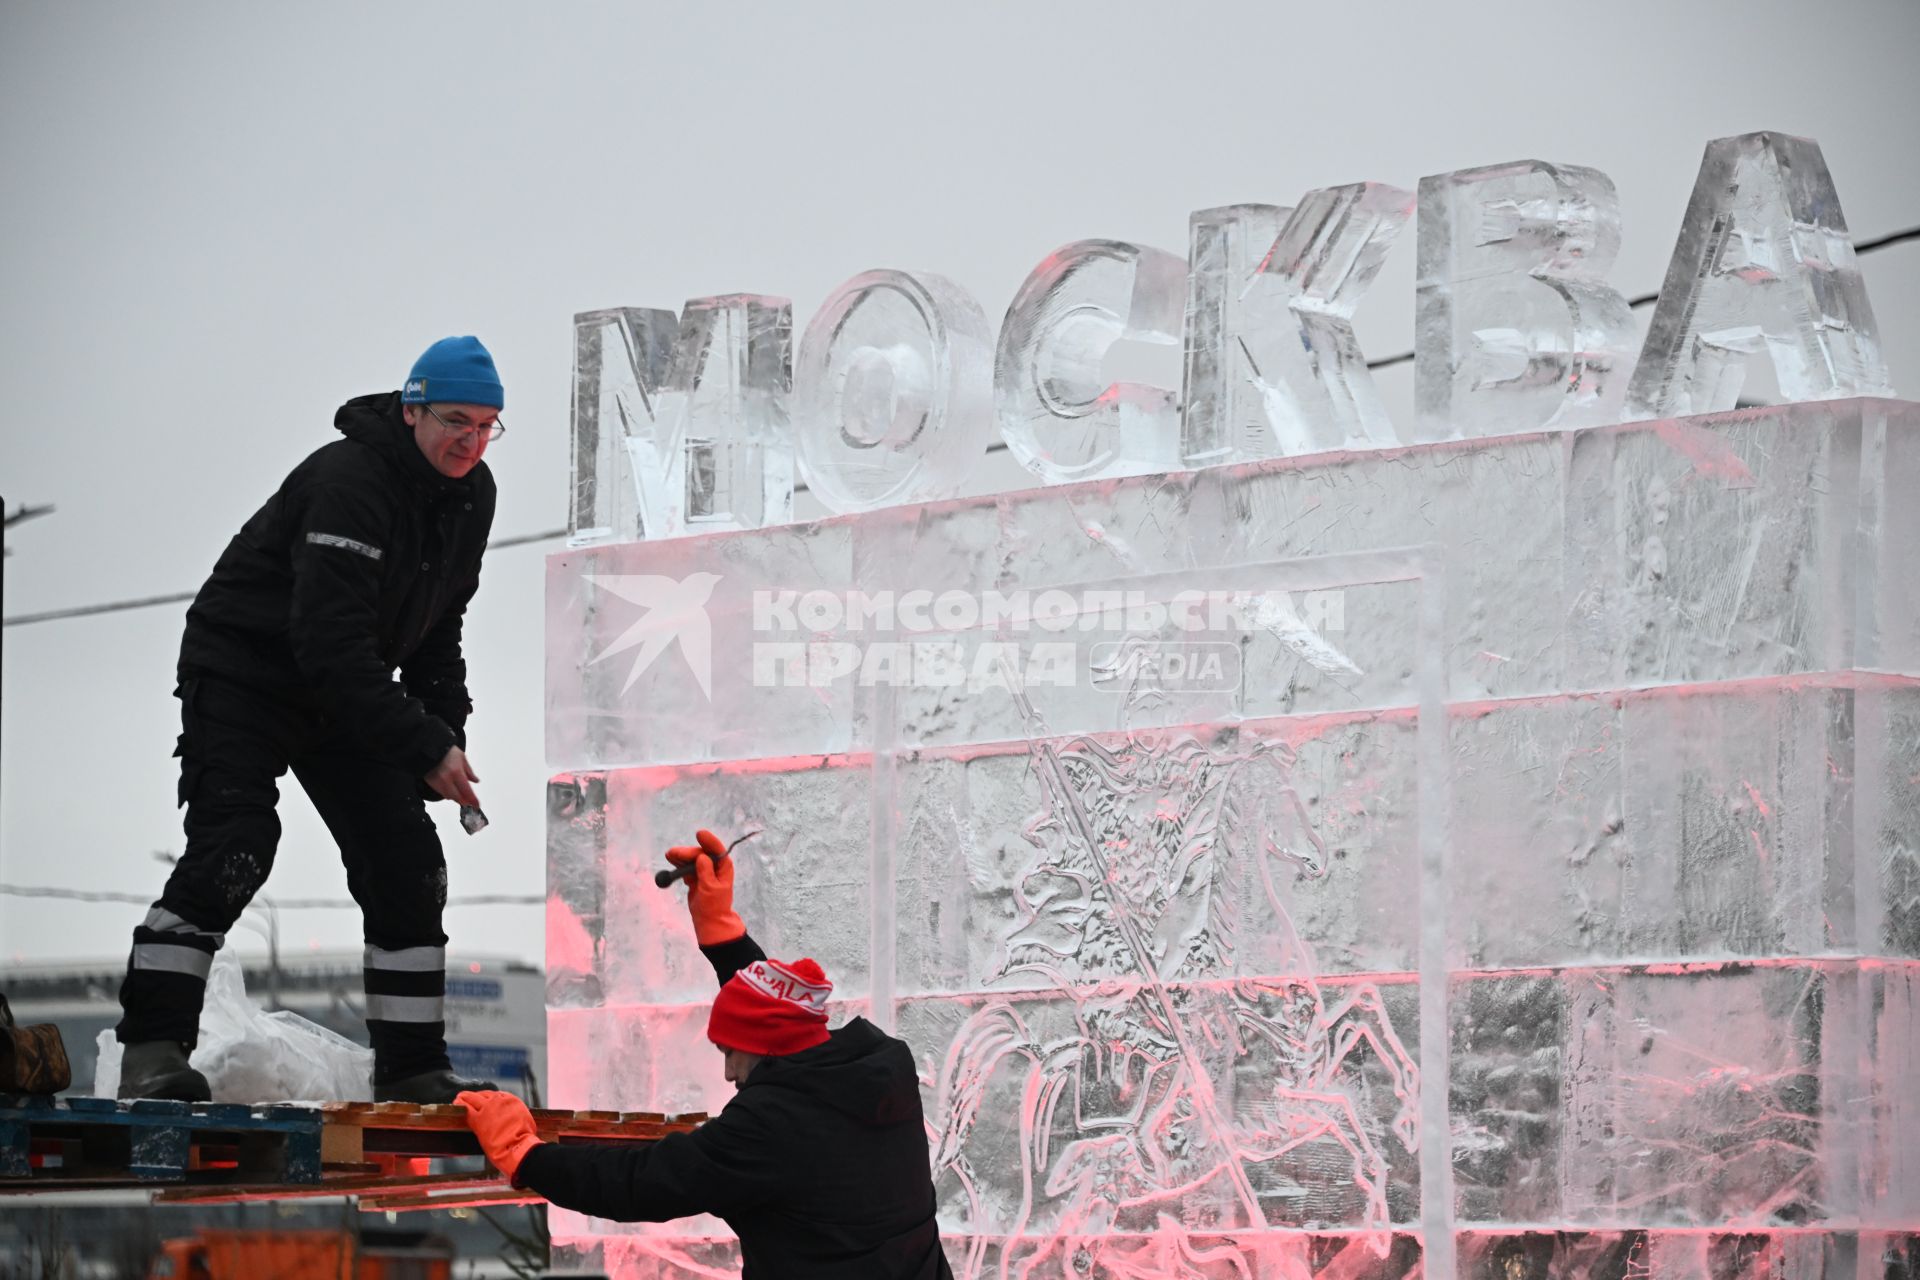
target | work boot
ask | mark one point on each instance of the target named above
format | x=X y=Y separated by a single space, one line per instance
x=429 y=1088
x=159 y=1069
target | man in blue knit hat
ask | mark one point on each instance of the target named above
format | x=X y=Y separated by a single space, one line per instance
x=362 y=563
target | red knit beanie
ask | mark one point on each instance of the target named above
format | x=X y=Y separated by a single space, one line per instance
x=771 y=1008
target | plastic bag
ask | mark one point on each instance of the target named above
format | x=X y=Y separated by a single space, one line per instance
x=250 y=1055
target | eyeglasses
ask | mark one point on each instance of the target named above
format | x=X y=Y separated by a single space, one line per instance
x=492 y=430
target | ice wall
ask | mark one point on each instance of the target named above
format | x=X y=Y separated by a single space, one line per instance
x=1534 y=892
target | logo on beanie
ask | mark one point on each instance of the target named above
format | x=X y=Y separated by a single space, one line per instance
x=781 y=983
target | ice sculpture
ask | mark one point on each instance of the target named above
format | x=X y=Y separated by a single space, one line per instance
x=1060 y=413
x=619 y=361
x=893 y=390
x=680 y=424
x=1564 y=926
x=1272 y=366
x=1763 y=264
x=1516 y=328
x=1164 y=1090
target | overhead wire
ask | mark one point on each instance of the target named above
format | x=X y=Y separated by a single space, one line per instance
x=282 y=904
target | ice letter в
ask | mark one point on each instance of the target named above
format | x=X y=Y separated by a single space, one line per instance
x=680 y=426
x=895 y=385
x=1763 y=263
x=1059 y=412
x=1272 y=365
x=1515 y=328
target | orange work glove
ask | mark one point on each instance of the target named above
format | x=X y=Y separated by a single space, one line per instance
x=709 y=889
x=504 y=1126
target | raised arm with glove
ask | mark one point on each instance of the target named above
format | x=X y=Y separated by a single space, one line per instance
x=501 y=1121
x=818 y=1162
x=709 y=889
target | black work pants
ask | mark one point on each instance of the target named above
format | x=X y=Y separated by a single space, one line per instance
x=234 y=746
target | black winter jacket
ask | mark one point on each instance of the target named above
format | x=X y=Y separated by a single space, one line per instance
x=363 y=561
x=819 y=1163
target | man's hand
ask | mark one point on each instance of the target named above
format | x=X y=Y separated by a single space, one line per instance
x=504 y=1126
x=453 y=778
x=710 y=889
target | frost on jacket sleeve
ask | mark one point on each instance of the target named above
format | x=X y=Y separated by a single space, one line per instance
x=720 y=1168
x=338 y=553
x=436 y=672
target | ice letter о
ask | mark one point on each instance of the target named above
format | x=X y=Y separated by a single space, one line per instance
x=680 y=426
x=1515 y=329
x=1272 y=366
x=894 y=386
x=1763 y=262
x=1059 y=412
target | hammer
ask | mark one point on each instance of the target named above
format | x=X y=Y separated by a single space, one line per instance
x=665 y=879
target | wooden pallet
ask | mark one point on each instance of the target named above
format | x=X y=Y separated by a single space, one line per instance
x=384 y=1154
x=390 y=1155
x=65 y=1144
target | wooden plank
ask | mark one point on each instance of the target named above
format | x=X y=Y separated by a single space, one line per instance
x=419 y=1142
x=345 y=1185
x=340 y=1144
x=451 y=1200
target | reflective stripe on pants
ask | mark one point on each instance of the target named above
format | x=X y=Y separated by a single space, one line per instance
x=386 y=1008
x=408 y=959
x=166 y=958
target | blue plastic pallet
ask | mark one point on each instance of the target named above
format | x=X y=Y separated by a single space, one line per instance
x=67 y=1142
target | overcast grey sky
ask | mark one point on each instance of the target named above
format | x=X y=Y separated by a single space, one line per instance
x=221 y=220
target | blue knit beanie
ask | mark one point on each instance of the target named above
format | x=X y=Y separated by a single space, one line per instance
x=454 y=371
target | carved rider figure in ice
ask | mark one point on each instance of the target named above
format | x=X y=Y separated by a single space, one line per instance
x=1181 y=1089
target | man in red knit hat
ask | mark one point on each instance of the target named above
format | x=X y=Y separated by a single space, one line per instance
x=818 y=1163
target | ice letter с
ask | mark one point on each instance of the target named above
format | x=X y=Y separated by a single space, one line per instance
x=1060 y=414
